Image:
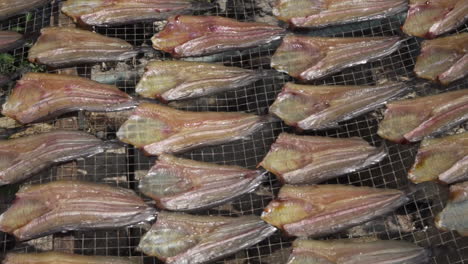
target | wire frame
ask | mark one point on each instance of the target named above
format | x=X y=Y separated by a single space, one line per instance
x=413 y=222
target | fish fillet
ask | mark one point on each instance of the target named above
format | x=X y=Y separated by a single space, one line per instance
x=9 y=8
x=10 y=40
x=455 y=214
x=61 y=258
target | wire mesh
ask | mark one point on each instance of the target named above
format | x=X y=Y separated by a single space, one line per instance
x=413 y=222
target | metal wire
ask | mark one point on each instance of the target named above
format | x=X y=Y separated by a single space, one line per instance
x=124 y=166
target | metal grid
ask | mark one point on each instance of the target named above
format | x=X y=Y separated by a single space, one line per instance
x=123 y=167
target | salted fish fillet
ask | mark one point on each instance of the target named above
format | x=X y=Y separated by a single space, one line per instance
x=10 y=40
x=178 y=238
x=187 y=36
x=309 y=58
x=42 y=96
x=444 y=59
x=318 y=210
x=61 y=258
x=177 y=80
x=22 y=157
x=415 y=119
x=313 y=159
x=357 y=251
x=119 y=12
x=455 y=214
x=60 y=206
x=322 y=13
x=321 y=107
x=160 y=129
x=66 y=46
x=431 y=18
x=9 y=8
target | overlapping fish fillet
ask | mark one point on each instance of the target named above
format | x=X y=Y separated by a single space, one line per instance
x=9 y=8
x=72 y=205
x=61 y=258
x=178 y=238
x=186 y=36
x=10 y=40
x=455 y=214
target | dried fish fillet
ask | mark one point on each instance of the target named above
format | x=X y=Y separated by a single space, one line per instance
x=320 y=107
x=65 y=46
x=181 y=238
x=354 y=251
x=180 y=185
x=431 y=18
x=309 y=58
x=455 y=214
x=42 y=96
x=309 y=159
x=414 y=119
x=322 y=13
x=160 y=129
x=443 y=59
x=9 y=8
x=60 y=206
x=317 y=210
x=61 y=258
x=23 y=157
x=186 y=36
x=176 y=80
x=10 y=40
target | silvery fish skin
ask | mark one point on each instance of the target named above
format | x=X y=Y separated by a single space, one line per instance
x=455 y=214
x=22 y=157
x=66 y=46
x=60 y=206
x=10 y=40
x=187 y=36
x=177 y=80
x=178 y=238
x=184 y=185
x=444 y=59
x=322 y=13
x=313 y=159
x=61 y=258
x=415 y=119
x=444 y=159
x=42 y=96
x=309 y=58
x=318 y=210
x=431 y=18
x=357 y=251
x=321 y=107
x=9 y=8
x=160 y=129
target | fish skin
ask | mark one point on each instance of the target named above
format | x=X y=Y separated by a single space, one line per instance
x=313 y=159
x=415 y=119
x=178 y=80
x=322 y=13
x=10 y=40
x=444 y=59
x=357 y=251
x=60 y=206
x=188 y=36
x=318 y=210
x=21 y=158
x=309 y=58
x=455 y=214
x=444 y=159
x=159 y=129
x=199 y=239
x=66 y=46
x=9 y=8
x=321 y=107
x=60 y=258
x=43 y=96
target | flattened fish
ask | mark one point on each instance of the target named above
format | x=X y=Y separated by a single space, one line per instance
x=181 y=238
x=357 y=251
x=317 y=210
x=61 y=258
x=455 y=214
x=414 y=119
x=322 y=13
x=431 y=18
x=9 y=8
x=10 y=40
x=65 y=46
x=118 y=12
x=160 y=129
x=42 y=96
x=310 y=159
x=60 y=206
x=443 y=59
x=186 y=36
x=310 y=58
x=22 y=157
x=181 y=185
x=320 y=107
x=176 y=80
